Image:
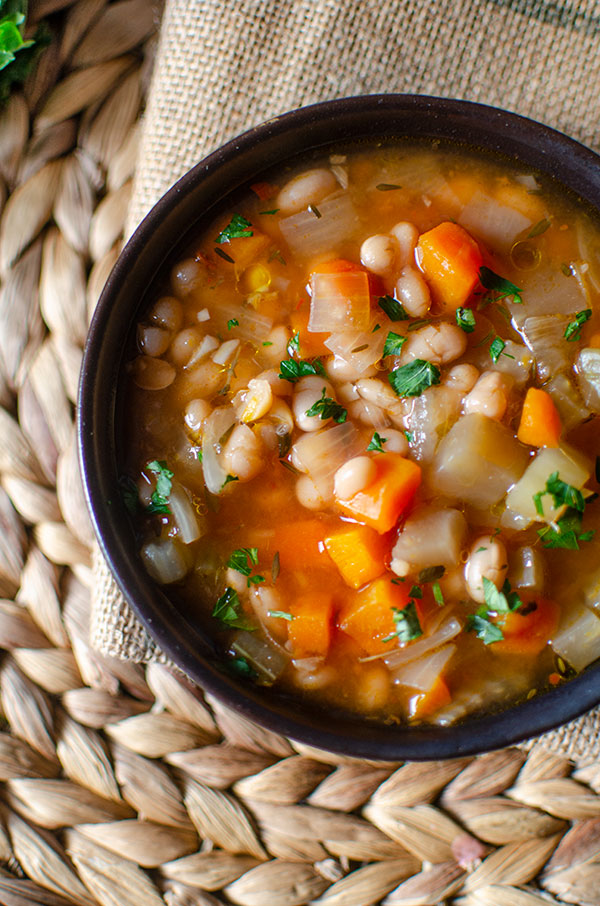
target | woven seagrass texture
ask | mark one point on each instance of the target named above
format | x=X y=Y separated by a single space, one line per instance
x=119 y=784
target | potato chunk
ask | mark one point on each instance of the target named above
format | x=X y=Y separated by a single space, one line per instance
x=572 y=467
x=478 y=461
x=431 y=537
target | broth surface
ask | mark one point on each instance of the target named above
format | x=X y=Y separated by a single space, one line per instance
x=362 y=430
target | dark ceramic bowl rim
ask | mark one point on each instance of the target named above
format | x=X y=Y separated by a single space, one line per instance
x=497 y=130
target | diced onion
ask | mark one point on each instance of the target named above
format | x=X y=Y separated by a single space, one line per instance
x=567 y=400
x=446 y=631
x=515 y=360
x=588 y=376
x=206 y=345
x=183 y=514
x=217 y=424
x=338 y=304
x=308 y=235
x=164 y=560
x=269 y=661
x=431 y=417
x=431 y=535
x=547 y=291
x=251 y=326
x=578 y=638
x=422 y=673
x=545 y=336
x=496 y=224
x=360 y=349
x=321 y=453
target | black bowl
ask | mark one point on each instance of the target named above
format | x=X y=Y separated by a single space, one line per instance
x=197 y=196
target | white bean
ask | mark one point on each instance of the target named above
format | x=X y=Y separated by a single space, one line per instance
x=353 y=476
x=314 y=678
x=413 y=292
x=257 y=400
x=184 y=344
x=314 y=382
x=489 y=396
x=167 y=312
x=152 y=374
x=236 y=580
x=339 y=369
x=242 y=456
x=437 y=343
x=309 y=495
x=307 y=188
x=368 y=414
x=195 y=414
x=487 y=560
x=202 y=382
x=375 y=391
x=278 y=386
x=152 y=340
x=309 y=390
x=186 y=276
x=462 y=377
x=377 y=253
x=278 y=337
x=396 y=441
x=347 y=392
x=406 y=235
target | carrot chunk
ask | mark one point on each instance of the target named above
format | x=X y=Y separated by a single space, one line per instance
x=528 y=633
x=426 y=703
x=300 y=544
x=382 y=502
x=309 y=344
x=368 y=617
x=358 y=552
x=540 y=422
x=309 y=632
x=450 y=260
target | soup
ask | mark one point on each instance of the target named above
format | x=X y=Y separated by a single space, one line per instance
x=362 y=425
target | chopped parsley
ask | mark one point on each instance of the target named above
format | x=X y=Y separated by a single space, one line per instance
x=415 y=592
x=430 y=574
x=159 y=501
x=504 y=601
x=438 y=594
x=565 y=533
x=274 y=211
x=393 y=309
x=387 y=187
x=376 y=328
x=412 y=379
x=573 y=329
x=228 y=480
x=465 y=318
x=407 y=624
x=498 y=286
x=241 y=666
x=242 y=560
x=290 y=370
x=540 y=227
x=237 y=228
x=376 y=443
x=228 y=609
x=314 y=210
x=281 y=614
x=393 y=344
x=496 y=604
x=417 y=324
x=485 y=630
x=233 y=322
x=496 y=349
x=409 y=436
x=562 y=494
x=326 y=408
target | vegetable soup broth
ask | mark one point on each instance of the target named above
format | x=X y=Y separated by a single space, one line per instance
x=362 y=424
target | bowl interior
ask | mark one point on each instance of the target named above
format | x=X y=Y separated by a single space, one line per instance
x=161 y=235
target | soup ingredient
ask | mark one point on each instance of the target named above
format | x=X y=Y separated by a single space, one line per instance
x=540 y=422
x=309 y=631
x=372 y=615
x=359 y=553
x=380 y=503
x=450 y=260
x=487 y=561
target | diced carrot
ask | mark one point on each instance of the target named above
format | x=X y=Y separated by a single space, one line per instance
x=391 y=492
x=554 y=679
x=264 y=190
x=594 y=340
x=358 y=552
x=335 y=266
x=300 y=544
x=244 y=250
x=540 y=422
x=450 y=260
x=424 y=704
x=309 y=344
x=528 y=633
x=368 y=618
x=309 y=632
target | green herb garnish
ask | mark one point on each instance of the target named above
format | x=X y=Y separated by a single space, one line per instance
x=290 y=370
x=243 y=559
x=430 y=574
x=274 y=211
x=539 y=228
x=228 y=609
x=393 y=309
x=129 y=494
x=438 y=594
x=465 y=318
x=504 y=601
x=415 y=592
x=409 y=436
x=17 y=56
x=228 y=480
x=281 y=614
x=237 y=228
x=376 y=443
x=573 y=329
x=499 y=286
x=376 y=328
x=563 y=494
x=412 y=379
x=496 y=349
x=407 y=624
x=241 y=666
x=485 y=630
x=393 y=344
x=233 y=322
x=159 y=501
x=326 y=408
x=565 y=533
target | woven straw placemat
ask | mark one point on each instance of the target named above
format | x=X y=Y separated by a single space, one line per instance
x=119 y=785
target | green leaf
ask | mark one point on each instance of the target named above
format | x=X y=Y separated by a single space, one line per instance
x=573 y=329
x=393 y=344
x=566 y=533
x=407 y=624
x=438 y=594
x=539 y=228
x=290 y=370
x=228 y=609
x=504 y=601
x=159 y=501
x=465 y=318
x=237 y=228
x=486 y=631
x=415 y=592
x=412 y=379
x=496 y=349
x=281 y=614
x=228 y=480
x=222 y=254
x=500 y=286
x=242 y=560
x=430 y=574
x=393 y=309
x=326 y=408
x=376 y=443
x=233 y=322
x=563 y=493
x=17 y=56
x=241 y=666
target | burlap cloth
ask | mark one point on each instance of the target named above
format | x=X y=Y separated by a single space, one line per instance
x=225 y=65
